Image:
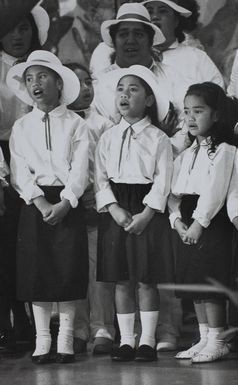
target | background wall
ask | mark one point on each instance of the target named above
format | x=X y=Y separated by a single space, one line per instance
x=218 y=29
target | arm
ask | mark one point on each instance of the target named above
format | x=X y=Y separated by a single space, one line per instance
x=79 y=170
x=232 y=89
x=232 y=195
x=21 y=177
x=214 y=192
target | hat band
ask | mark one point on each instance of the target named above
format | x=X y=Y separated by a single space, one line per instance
x=134 y=16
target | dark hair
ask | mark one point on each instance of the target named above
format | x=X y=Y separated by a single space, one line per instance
x=149 y=30
x=77 y=66
x=186 y=24
x=35 y=42
x=227 y=113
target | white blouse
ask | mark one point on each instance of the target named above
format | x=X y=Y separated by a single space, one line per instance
x=134 y=154
x=55 y=156
x=197 y=173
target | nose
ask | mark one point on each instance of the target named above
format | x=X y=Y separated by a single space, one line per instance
x=16 y=33
x=131 y=37
x=125 y=94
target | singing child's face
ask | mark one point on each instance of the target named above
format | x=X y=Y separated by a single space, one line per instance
x=86 y=94
x=199 y=116
x=18 y=41
x=44 y=86
x=132 y=99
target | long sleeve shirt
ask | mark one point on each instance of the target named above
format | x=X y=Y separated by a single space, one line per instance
x=198 y=173
x=233 y=85
x=55 y=154
x=134 y=154
x=232 y=195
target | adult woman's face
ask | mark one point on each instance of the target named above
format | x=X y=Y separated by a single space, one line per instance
x=165 y=18
x=18 y=41
x=132 y=44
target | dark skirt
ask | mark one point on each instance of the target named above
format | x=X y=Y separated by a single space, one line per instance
x=52 y=261
x=210 y=257
x=143 y=258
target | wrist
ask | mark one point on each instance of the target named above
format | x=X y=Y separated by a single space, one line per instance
x=112 y=207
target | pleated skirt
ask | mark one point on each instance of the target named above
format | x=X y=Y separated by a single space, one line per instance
x=143 y=258
x=210 y=257
x=52 y=261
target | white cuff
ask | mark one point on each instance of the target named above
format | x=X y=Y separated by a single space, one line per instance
x=173 y=217
x=155 y=201
x=69 y=195
x=204 y=222
x=33 y=192
x=104 y=198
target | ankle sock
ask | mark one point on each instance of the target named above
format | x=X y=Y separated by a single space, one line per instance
x=66 y=328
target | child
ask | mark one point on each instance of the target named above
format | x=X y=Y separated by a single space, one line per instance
x=133 y=168
x=97 y=313
x=199 y=187
x=49 y=169
x=29 y=34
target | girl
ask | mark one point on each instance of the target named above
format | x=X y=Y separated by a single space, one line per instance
x=133 y=167
x=49 y=169
x=97 y=313
x=199 y=187
x=29 y=34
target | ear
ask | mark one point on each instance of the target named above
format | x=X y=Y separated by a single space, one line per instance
x=150 y=100
x=216 y=116
x=59 y=84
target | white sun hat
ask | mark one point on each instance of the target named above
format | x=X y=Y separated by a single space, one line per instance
x=135 y=12
x=15 y=77
x=172 y=4
x=42 y=21
x=110 y=80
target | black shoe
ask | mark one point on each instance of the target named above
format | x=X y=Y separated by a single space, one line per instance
x=80 y=346
x=41 y=359
x=146 y=353
x=7 y=342
x=124 y=353
x=64 y=358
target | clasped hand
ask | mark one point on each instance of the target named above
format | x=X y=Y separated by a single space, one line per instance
x=189 y=235
x=53 y=213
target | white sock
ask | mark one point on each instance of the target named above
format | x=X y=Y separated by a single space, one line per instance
x=126 y=325
x=42 y=315
x=199 y=346
x=149 y=320
x=66 y=328
x=214 y=342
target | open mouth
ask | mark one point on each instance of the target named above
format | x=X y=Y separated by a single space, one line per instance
x=37 y=92
x=124 y=103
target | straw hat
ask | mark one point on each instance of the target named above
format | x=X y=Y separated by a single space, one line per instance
x=42 y=21
x=111 y=79
x=15 y=79
x=135 y=12
x=183 y=11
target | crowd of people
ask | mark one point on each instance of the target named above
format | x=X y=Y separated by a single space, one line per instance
x=114 y=179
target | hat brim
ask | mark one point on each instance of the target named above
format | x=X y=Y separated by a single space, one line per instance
x=158 y=36
x=15 y=80
x=42 y=21
x=181 y=10
x=108 y=83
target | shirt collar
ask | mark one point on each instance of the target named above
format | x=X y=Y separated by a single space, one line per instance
x=137 y=127
x=8 y=59
x=58 y=111
x=204 y=143
x=174 y=45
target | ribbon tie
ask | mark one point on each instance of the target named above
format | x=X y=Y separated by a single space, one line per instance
x=131 y=132
x=46 y=120
x=195 y=153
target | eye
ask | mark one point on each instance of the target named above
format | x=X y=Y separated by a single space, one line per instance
x=43 y=76
x=88 y=82
x=28 y=79
x=119 y=88
x=133 y=89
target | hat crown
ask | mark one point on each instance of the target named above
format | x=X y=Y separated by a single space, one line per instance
x=135 y=9
x=44 y=56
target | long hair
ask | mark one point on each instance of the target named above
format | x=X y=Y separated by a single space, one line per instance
x=215 y=97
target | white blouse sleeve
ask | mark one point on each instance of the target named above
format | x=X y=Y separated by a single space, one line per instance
x=215 y=191
x=157 y=196
x=174 y=201
x=232 y=196
x=4 y=170
x=232 y=89
x=104 y=194
x=22 y=178
x=78 y=178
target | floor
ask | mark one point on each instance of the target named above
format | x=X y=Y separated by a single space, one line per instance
x=90 y=370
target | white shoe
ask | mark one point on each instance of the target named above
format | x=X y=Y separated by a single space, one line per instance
x=209 y=355
x=166 y=346
x=191 y=352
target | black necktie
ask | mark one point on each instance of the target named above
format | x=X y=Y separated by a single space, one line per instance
x=123 y=141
